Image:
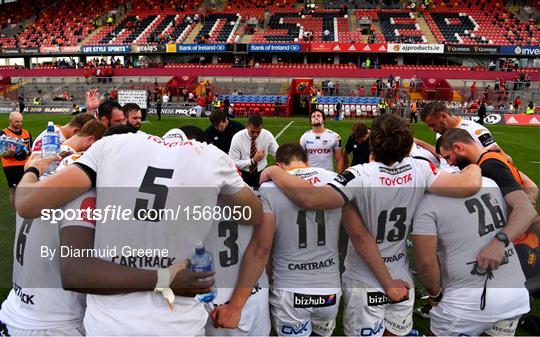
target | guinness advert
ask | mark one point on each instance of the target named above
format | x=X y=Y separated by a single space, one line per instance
x=461 y=49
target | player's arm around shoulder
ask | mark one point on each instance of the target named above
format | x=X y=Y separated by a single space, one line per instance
x=458 y=185
x=301 y=192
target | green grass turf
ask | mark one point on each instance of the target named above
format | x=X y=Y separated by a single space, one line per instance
x=522 y=143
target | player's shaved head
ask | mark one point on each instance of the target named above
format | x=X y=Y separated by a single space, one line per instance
x=15 y=120
x=15 y=115
x=390 y=139
x=289 y=152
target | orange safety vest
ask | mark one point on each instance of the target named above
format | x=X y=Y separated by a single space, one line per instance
x=529 y=238
x=11 y=161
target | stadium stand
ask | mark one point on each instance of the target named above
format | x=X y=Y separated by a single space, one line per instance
x=479 y=22
x=400 y=26
x=61 y=24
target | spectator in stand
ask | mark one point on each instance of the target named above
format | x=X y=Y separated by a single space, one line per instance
x=373 y=89
x=474 y=93
x=362 y=91
x=530 y=109
x=517 y=104
x=326 y=35
x=492 y=66
x=331 y=86
x=527 y=81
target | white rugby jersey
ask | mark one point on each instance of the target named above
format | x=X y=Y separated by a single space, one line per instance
x=419 y=152
x=227 y=241
x=37 y=300
x=320 y=148
x=37 y=142
x=463 y=227
x=479 y=133
x=305 y=249
x=141 y=172
x=386 y=197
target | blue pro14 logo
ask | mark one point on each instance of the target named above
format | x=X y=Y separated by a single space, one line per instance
x=377 y=327
x=296 y=330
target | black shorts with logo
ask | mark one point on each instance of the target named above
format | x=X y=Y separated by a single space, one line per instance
x=14 y=175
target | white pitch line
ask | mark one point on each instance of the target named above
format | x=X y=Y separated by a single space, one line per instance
x=281 y=132
x=535 y=162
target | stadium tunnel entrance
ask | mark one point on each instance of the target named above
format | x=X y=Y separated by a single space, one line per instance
x=300 y=97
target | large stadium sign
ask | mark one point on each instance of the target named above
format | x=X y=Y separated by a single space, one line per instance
x=113 y=49
x=490 y=119
x=521 y=50
x=201 y=48
x=461 y=49
x=274 y=47
x=425 y=48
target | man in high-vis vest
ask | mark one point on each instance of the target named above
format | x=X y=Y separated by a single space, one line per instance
x=530 y=109
x=520 y=193
x=13 y=161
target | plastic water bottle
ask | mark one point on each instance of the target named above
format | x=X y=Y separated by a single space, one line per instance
x=50 y=146
x=3 y=144
x=20 y=145
x=202 y=261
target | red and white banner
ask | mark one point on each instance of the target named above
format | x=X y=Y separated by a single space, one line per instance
x=335 y=47
x=533 y=120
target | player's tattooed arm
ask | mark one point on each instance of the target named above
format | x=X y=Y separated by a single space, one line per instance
x=365 y=246
x=253 y=264
x=426 y=263
x=301 y=192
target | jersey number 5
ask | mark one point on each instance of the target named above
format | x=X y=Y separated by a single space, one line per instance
x=160 y=193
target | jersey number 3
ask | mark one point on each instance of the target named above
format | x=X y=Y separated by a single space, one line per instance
x=229 y=231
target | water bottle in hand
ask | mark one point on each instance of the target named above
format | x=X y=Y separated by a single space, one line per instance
x=50 y=146
x=202 y=261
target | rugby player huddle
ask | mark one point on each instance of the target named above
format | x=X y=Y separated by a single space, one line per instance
x=461 y=224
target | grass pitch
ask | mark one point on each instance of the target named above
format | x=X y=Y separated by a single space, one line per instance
x=521 y=142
